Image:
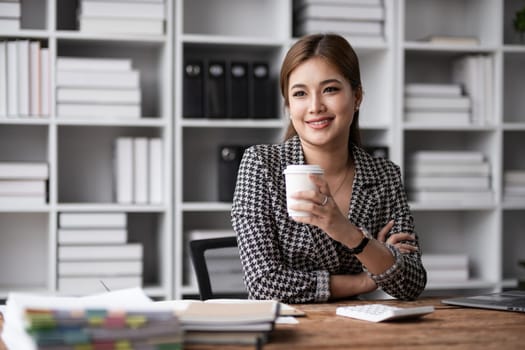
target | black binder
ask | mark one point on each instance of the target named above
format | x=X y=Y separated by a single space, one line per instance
x=239 y=96
x=193 y=90
x=216 y=90
x=262 y=94
x=229 y=161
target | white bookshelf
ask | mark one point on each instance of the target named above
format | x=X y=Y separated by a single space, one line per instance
x=81 y=170
x=80 y=153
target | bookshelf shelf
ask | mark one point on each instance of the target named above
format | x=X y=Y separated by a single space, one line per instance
x=79 y=151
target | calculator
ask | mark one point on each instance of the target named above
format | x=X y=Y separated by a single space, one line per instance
x=382 y=312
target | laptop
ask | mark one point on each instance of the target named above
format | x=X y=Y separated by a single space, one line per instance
x=513 y=300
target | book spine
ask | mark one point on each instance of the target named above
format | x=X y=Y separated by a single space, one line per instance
x=155 y=177
x=140 y=170
x=92 y=220
x=92 y=236
x=34 y=81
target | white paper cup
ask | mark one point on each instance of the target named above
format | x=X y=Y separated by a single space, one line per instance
x=297 y=180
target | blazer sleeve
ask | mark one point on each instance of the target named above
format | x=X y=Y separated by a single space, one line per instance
x=257 y=225
x=407 y=278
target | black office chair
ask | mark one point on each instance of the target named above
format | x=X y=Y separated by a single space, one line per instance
x=218 y=268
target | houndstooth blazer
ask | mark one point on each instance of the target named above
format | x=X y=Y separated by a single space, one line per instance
x=290 y=261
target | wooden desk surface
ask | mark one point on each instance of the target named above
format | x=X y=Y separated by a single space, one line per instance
x=448 y=327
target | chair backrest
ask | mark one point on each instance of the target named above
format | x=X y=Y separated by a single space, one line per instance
x=218 y=268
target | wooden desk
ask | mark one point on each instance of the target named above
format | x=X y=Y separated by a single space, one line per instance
x=447 y=328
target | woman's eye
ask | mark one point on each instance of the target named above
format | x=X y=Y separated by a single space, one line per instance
x=298 y=94
x=331 y=89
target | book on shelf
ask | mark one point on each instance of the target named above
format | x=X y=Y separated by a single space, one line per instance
x=24 y=170
x=447 y=156
x=450 y=39
x=343 y=27
x=22 y=200
x=514 y=190
x=112 y=9
x=155 y=167
x=86 y=64
x=140 y=170
x=112 y=79
x=460 y=197
x=300 y=3
x=124 y=170
x=80 y=236
x=128 y=251
x=449 y=182
x=22 y=187
x=447 y=275
x=433 y=89
x=90 y=110
x=337 y=11
x=438 y=118
x=99 y=268
x=92 y=220
x=108 y=25
x=514 y=177
x=45 y=82
x=23 y=77
x=445 y=261
x=9 y=24
x=422 y=169
x=3 y=79
x=97 y=95
x=84 y=284
x=10 y=9
x=34 y=79
x=12 y=79
x=475 y=73
x=417 y=103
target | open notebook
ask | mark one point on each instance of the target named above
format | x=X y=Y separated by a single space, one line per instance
x=508 y=301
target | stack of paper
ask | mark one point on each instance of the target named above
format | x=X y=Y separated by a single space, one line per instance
x=355 y=19
x=454 y=177
x=97 y=88
x=125 y=319
x=436 y=104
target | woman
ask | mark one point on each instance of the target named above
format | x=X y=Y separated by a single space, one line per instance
x=360 y=233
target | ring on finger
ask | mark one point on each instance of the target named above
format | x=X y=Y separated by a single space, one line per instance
x=324 y=201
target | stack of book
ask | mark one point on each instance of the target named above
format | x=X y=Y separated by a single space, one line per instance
x=436 y=104
x=24 y=79
x=10 y=13
x=229 y=322
x=124 y=320
x=122 y=16
x=358 y=20
x=97 y=88
x=94 y=253
x=138 y=169
x=446 y=268
x=456 y=177
x=476 y=74
x=514 y=186
x=23 y=183
x=224 y=265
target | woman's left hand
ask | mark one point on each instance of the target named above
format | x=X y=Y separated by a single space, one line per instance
x=398 y=240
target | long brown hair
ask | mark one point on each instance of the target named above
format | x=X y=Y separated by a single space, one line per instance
x=335 y=50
